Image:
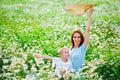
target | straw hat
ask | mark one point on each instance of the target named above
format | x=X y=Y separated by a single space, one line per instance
x=78 y=9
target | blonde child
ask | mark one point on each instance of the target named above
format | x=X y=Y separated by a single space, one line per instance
x=60 y=62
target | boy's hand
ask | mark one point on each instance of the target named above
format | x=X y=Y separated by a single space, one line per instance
x=37 y=56
x=43 y=56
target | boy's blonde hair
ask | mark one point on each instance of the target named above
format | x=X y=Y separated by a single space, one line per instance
x=60 y=51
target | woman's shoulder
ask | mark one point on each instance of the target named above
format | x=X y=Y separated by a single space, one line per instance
x=83 y=46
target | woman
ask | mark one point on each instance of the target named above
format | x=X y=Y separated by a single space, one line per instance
x=79 y=45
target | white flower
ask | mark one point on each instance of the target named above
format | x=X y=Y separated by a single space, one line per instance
x=0 y=56
x=33 y=68
x=5 y=67
x=25 y=67
x=16 y=71
x=5 y=60
x=30 y=77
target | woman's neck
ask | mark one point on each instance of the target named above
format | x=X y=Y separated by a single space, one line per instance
x=76 y=46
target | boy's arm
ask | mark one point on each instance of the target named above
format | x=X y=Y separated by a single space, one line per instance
x=43 y=56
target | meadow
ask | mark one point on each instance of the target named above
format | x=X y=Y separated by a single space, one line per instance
x=30 y=27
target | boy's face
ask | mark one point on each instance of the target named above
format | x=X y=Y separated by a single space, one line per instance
x=64 y=54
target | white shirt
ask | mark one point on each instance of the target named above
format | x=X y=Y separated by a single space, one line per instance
x=60 y=64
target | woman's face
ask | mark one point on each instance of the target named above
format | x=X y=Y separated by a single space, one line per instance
x=76 y=39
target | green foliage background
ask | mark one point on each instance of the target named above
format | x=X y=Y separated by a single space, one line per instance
x=45 y=23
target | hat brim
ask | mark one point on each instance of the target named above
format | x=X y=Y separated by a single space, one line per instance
x=78 y=9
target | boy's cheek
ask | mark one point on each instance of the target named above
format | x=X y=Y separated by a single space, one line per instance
x=67 y=56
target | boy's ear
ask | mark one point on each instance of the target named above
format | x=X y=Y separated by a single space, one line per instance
x=60 y=54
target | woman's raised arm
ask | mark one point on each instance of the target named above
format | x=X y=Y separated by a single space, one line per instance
x=88 y=27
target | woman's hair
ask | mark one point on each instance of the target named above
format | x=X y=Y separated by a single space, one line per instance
x=81 y=36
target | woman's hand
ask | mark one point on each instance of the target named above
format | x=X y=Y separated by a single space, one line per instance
x=91 y=11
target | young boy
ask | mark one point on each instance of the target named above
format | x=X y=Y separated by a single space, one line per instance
x=62 y=62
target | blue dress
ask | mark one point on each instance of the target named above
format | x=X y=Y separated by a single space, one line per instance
x=77 y=57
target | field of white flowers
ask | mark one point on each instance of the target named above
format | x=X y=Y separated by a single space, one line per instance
x=30 y=27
